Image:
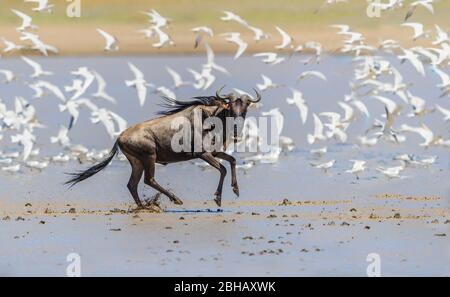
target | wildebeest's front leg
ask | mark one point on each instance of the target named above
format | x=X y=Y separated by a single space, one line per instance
x=149 y=179
x=209 y=158
x=232 y=161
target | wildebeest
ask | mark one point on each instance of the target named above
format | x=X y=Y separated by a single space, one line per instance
x=150 y=142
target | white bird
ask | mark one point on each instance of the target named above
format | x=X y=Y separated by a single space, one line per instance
x=418 y=30
x=441 y=37
x=300 y=102
x=270 y=58
x=9 y=76
x=267 y=84
x=413 y=59
x=178 y=82
x=210 y=60
x=235 y=38
x=62 y=138
x=26 y=21
x=26 y=139
x=89 y=78
x=230 y=16
x=318 y=131
x=324 y=166
x=358 y=167
x=51 y=88
x=444 y=111
x=37 y=68
x=319 y=151
x=157 y=19
x=37 y=165
x=286 y=41
x=11 y=46
x=428 y=4
x=164 y=38
x=109 y=120
x=43 y=6
x=200 y=33
x=424 y=132
x=258 y=33
x=445 y=78
x=392 y=172
x=364 y=140
x=38 y=44
x=112 y=44
x=316 y=74
x=12 y=169
x=139 y=83
x=101 y=88
x=278 y=118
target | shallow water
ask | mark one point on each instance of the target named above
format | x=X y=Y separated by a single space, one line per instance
x=291 y=178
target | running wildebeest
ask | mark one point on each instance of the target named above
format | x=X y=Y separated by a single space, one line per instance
x=150 y=142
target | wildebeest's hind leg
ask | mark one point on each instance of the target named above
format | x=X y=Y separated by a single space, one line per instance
x=149 y=179
x=209 y=158
x=136 y=173
x=232 y=161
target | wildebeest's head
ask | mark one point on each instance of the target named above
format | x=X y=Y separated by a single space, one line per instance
x=237 y=104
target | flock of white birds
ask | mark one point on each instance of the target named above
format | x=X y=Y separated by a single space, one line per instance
x=373 y=74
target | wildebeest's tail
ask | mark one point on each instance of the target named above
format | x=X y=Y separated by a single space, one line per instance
x=82 y=175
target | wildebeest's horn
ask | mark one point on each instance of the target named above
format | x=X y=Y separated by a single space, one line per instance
x=218 y=93
x=258 y=97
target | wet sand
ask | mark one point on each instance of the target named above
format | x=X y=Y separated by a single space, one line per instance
x=246 y=239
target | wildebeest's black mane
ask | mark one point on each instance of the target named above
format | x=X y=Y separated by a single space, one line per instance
x=173 y=106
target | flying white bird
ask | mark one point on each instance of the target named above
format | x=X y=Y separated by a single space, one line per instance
x=232 y=17
x=413 y=59
x=424 y=132
x=235 y=38
x=316 y=74
x=318 y=131
x=101 y=88
x=200 y=33
x=139 y=83
x=26 y=139
x=428 y=4
x=62 y=138
x=37 y=68
x=112 y=44
x=26 y=21
x=164 y=38
x=270 y=58
x=299 y=101
x=444 y=111
x=38 y=44
x=9 y=76
x=286 y=41
x=178 y=82
x=267 y=84
x=11 y=46
x=43 y=6
x=418 y=30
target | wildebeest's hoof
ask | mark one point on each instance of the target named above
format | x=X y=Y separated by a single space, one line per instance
x=218 y=201
x=177 y=201
x=236 y=190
